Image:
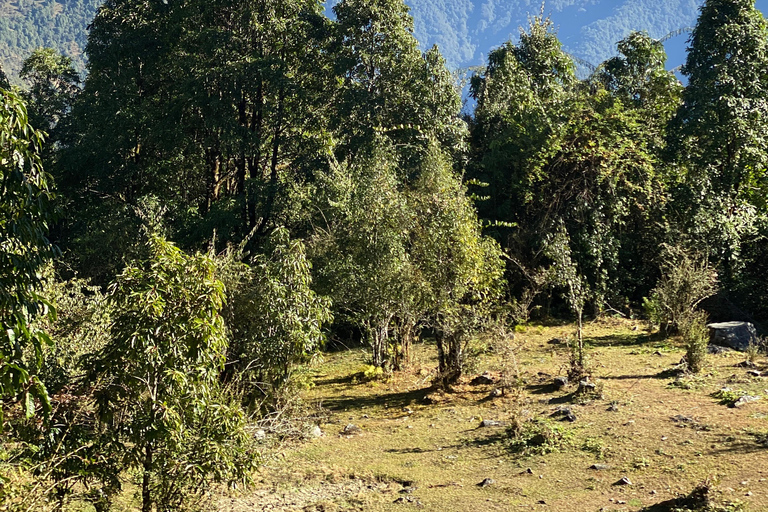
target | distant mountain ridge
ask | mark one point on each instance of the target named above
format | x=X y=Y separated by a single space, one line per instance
x=465 y=30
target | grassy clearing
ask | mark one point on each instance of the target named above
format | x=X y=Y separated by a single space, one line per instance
x=664 y=432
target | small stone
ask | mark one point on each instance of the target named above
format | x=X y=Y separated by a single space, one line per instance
x=260 y=434
x=623 y=481
x=613 y=407
x=490 y=423
x=407 y=410
x=755 y=373
x=529 y=471
x=365 y=416
x=351 y=429
x=621 y=502
x=409 y=426
x=560 y=382
x=744 y=482
x=496 y=393
x=653 y=492
x=541 y=502
x=664 y=438
x=486 y=482
x=600 y=467
x=745 y=400
x=748 y=493
x=541 y=477
x=658 y=353
x=315 y=432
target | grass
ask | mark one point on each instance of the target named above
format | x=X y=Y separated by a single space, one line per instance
x=429 y=446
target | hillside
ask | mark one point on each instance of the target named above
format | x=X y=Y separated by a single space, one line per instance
x=29 y=24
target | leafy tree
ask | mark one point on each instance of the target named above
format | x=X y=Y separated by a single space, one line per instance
x=157 y=381
x=718 y=139
x=26 y=211
x=274 y=318
x=461 y=269
x=53 y=86
x=638 y=78
x=722 y=121
x=388 y=86
x=360 y=247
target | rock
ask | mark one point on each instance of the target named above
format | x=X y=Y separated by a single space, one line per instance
x=496 y=393
x=746 y=364
x=491 y=423
x=560 y=382
x=486 y=482
x=483 y=379
x=679 y=418
x=717 y=349
x=315 y=432
x=528 y=471
x=600 y=467
x=402 y=500
x=408 y=490
x=613 y=407
x=736 y=335
x=565 y=414
x=586 y=387
x=745 y=400
x=260 y=434
x=623 y=481
x=755 y=373
x=351 y=429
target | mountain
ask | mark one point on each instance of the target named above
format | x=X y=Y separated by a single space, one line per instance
x=29 y=24
x=465 y=30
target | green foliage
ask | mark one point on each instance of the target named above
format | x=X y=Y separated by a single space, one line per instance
x=686 y=279
x=53 y=87
x=25 y=213
x=157 y=380
x=274 y=318
x=539 y=437
x=693 y=329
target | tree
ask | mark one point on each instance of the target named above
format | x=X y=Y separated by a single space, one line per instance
x=461 y=269
x=274 y=318
x=721 y=125
x=3 y=80
x=718 y=137
x=389 y=87
x=157 y=381
x=360 y=246
x=26 y=211
x=53 y=86
x=638 y=78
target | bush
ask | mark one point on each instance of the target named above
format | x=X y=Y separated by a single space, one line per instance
x=539 y=437
x=693 y=329
x=686 y=280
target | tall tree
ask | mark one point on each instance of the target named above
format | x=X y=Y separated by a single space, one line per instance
x=53 y=86
x=723 y=121
x=719 y=133
x=26 y=211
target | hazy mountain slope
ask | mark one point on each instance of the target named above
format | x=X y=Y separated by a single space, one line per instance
x=29 y=24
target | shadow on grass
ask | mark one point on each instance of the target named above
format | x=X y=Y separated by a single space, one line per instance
x=669 y=373
x=392 y=400
x=622 y=340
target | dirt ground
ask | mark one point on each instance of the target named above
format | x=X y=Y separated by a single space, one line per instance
x=419 y=449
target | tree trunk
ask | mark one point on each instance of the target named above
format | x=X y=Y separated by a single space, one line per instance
x=146 y=494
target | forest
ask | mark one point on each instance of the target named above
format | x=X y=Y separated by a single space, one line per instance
x=236 y=188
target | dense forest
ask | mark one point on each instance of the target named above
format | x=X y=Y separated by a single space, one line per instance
x=236 y=185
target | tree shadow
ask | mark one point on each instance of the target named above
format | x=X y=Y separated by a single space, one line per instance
x=393 y=400
x=668 y=373
x=621 y=340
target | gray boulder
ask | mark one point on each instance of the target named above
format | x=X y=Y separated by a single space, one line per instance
x=736 y=335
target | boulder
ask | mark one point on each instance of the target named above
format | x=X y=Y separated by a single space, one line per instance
x=736 y=335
